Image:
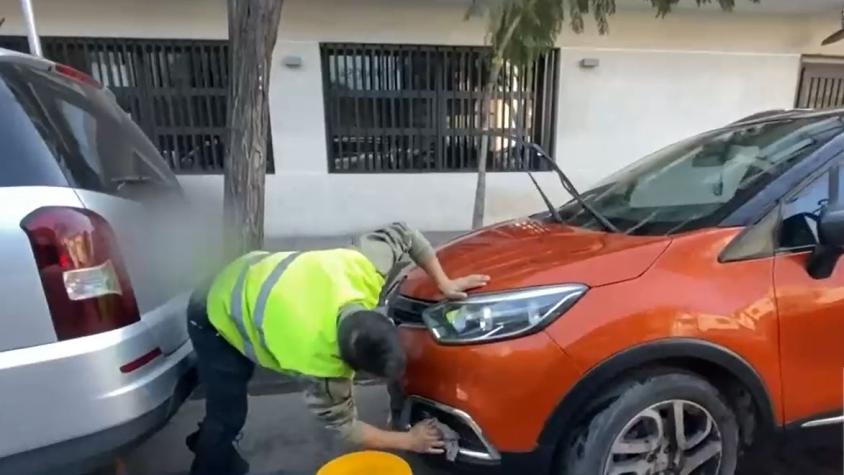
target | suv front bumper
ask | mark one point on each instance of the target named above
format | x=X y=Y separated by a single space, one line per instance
x=476 y=453
x=498 y=397
x=474 y=446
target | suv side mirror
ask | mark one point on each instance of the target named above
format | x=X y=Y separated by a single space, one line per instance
x=831 y=227
x=831 y=235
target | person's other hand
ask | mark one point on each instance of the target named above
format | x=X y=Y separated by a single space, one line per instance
x=425 y=438
x=455 y=289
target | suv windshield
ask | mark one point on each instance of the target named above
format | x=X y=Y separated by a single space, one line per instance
x=698 y=182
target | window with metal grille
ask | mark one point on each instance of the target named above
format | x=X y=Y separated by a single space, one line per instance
x=174 y=89
x=403 y=108
x=821 y=85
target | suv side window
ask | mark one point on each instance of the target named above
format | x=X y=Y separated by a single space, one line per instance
x=801 y=213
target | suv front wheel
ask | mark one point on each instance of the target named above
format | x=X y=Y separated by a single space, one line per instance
x=674 y=424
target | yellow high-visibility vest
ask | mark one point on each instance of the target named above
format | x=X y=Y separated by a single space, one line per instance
x=281 y=309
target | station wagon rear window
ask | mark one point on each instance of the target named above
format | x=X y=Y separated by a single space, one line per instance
x=49 y=119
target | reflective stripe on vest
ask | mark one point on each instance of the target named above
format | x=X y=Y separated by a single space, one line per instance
x=264 y=294
x=280 y=310
x=237 y=304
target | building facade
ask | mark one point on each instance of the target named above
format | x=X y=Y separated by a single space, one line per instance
x=375 y=104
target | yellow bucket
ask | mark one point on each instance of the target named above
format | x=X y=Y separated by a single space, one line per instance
x=366 y=463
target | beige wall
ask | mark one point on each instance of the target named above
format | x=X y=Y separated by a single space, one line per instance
x=121 y=18
x=755 y=28
x=658 y=81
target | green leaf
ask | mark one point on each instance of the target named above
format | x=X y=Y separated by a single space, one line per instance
x=521 y=29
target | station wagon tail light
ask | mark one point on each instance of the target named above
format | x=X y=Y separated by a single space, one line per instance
x=495 y=317
x=85 y=281
x=92 y=282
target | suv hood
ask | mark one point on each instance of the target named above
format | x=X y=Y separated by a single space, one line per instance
x=530 y=253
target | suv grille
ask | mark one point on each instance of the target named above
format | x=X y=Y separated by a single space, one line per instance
x=404 y=310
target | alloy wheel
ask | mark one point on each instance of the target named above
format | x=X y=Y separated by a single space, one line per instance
x=675 y=437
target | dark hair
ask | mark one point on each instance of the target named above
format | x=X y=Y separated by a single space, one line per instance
x=369 y=342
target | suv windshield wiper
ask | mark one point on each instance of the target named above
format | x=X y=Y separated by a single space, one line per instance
x=551 y=209
x=568 y=186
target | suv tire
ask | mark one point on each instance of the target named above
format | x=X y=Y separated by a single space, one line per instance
x=627 y=430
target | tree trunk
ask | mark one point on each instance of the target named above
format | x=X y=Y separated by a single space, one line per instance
x=489 y=95
x=253 y=29
x=480 y=188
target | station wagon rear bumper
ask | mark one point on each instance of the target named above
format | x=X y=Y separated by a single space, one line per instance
x=124 y=415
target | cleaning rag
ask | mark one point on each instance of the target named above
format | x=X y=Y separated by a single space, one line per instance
x=451 y=440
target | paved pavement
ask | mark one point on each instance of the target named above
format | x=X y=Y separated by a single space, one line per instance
x=280 y=434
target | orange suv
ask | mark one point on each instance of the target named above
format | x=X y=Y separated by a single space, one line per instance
x=659 y=323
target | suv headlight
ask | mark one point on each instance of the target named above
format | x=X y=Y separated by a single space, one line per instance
x=495 y=317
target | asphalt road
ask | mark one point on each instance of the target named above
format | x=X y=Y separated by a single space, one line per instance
x=281 y=435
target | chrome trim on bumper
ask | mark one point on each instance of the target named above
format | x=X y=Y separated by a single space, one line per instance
x=472 y=454
x=491 y=454
x=823 y=422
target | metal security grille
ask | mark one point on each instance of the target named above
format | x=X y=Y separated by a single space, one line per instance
x=400 y=108
x=821 y=86
x=174 y=89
